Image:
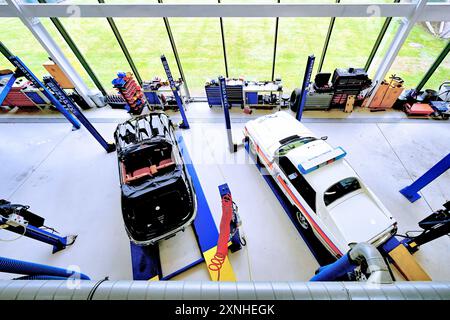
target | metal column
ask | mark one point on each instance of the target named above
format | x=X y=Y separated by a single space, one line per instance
x=63 y=32
x=377 y=44
x=275 y=46
x=327 y=41
x=223 y=45
x=175 y=53
x=59 y=93
x=396 y=45
x=47 y=42
x=433 y=68
x=123 y=46
x=23 y=71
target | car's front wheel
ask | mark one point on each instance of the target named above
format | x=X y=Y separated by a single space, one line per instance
x=302 y=221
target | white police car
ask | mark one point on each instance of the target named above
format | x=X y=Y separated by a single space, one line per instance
x=330 y=197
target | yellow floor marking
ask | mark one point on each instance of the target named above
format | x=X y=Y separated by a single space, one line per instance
x=226 y=272
x=155 y=278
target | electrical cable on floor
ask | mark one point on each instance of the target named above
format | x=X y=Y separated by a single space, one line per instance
x=92 y=292
x=53 y=230
x=74 y=237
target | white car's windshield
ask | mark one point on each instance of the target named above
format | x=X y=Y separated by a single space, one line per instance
x=292 y=143
x=340 y=189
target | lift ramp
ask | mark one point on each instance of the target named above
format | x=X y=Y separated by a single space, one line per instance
x=146 y=262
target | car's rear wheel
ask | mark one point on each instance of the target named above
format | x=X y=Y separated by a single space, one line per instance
x=302 y=221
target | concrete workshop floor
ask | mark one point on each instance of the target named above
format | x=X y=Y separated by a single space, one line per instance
x=67 y=177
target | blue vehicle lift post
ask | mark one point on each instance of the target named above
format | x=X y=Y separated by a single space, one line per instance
x=67 y=102
x=306 y=82
x=411 y=192
x=225 y=106
x=184 y=124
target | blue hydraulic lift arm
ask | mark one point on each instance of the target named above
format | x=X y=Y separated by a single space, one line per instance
x=23 y=71
x=411 y=192
x=62 y=97
x=7 y=81
x=59 y=243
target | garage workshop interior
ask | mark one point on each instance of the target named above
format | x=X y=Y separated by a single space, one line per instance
x=188 y=149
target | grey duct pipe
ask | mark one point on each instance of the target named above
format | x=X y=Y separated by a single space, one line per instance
x=379 y=271
x=207 y=290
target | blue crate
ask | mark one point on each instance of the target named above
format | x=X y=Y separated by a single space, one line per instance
x=152 y=98
x=251 y=97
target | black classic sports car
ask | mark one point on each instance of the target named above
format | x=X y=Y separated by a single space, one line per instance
x=158 y=198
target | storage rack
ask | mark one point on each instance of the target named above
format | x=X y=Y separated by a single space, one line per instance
x=127 y=86
x=253 y=90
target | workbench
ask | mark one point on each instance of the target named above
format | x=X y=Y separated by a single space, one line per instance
x=154 y=96
x=253 y=90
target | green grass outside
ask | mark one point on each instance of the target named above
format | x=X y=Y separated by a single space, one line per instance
x=249 y=43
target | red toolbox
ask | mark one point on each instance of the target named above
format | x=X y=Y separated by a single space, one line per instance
x=24 y=94
x=418 y=109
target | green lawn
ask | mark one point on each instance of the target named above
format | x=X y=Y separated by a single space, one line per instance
x=249 y=43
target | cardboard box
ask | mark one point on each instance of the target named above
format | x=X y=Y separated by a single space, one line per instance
x=56 y=72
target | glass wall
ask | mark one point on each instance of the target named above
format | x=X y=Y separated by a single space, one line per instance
x=417 y=55
x=249 y=46
x=297 y=39
x=441 y=74
x=352 y=39
x=48 y=24
x=96 y=41
x=21 y=42
x=199 y=45
x=296 y=42
x=249 y=43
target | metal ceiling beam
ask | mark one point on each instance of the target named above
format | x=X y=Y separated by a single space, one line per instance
x=431 y=12
x=327 y=41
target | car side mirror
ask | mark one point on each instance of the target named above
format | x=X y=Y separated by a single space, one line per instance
x=324 y=138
